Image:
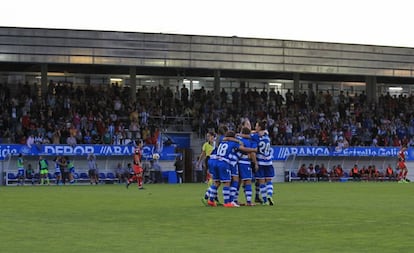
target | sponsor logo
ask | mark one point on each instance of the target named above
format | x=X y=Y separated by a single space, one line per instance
x=25 y=150
x=370 y=152
x=283 y=153
x=115 y=150
x=65 y=149
x=147 y=151
x=84 y=150
x=5 y=151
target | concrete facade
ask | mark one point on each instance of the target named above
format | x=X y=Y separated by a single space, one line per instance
x=22 y=49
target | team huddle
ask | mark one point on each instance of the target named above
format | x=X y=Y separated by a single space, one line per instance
x=237 y=160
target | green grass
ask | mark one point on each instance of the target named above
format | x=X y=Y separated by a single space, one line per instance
x=308 y=217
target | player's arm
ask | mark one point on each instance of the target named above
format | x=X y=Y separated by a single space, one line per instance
x=246 y=136
x=234 y=140
x=252 y=157
x=202 y=157
x=247 y=150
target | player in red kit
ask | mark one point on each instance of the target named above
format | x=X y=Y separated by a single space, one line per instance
x=402 y=175
x=137 y=167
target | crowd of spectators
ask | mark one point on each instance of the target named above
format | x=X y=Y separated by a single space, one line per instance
x=85 y=114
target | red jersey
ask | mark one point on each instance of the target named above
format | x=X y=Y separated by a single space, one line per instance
x=355 y=170
x=401 y=154
x=137 y=161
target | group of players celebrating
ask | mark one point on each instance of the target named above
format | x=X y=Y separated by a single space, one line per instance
x=238 y=159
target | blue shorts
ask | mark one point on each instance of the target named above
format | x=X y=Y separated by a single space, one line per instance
x=210 y=166
x=20 y=173
x=245 y=171
x=72 y=170
x=265 y=171
x=234 y=170
x=222 y=171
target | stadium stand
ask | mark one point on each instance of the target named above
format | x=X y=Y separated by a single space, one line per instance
x=322 y=120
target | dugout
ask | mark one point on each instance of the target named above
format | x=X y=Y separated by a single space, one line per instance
x=106 y=167
x=293 y=162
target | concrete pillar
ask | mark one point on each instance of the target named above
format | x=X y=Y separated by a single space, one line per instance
x=296 y=82
x=217 y=82
x=43 y=79
x=88 y=80
x=166 y=82
x=242 y=86
x=310 y=87
x=370 y=88
x=133 y=83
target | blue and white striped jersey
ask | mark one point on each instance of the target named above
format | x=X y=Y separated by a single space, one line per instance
x=264 y=153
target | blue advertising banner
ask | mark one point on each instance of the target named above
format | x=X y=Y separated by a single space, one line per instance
x=179 y=140
x=167 y=153
x=281 y=153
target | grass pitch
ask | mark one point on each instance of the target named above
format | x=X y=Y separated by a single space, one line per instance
x=308 y=217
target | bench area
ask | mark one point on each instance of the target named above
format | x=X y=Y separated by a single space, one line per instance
x=293 y=162
x=292 y=177
x=11 y=178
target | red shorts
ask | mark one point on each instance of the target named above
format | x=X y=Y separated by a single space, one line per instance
x=401 y=165
x=137 y=169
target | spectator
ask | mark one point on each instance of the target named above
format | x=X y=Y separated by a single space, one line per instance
x=30 y=173
x=93 y=169
x=87 y=139
x=20 y=170
x=58 y=171
x=64 y=169
x=303 y=173
x=134 y=129
x=311 y=172
x=30 y=141
x=155 y=171
x=71 y=169
x=333 y=176
x=130 y=169
x=184 y=95
x=71 y=140
x=56 y=136
x=44 y=171
x=364 y=172
x=122 y=174
x=355 y=174
x=323 y=173
x=179 y=168
x=38 y=140
x=389 y=173
x=374 y=173
x=339 y=172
